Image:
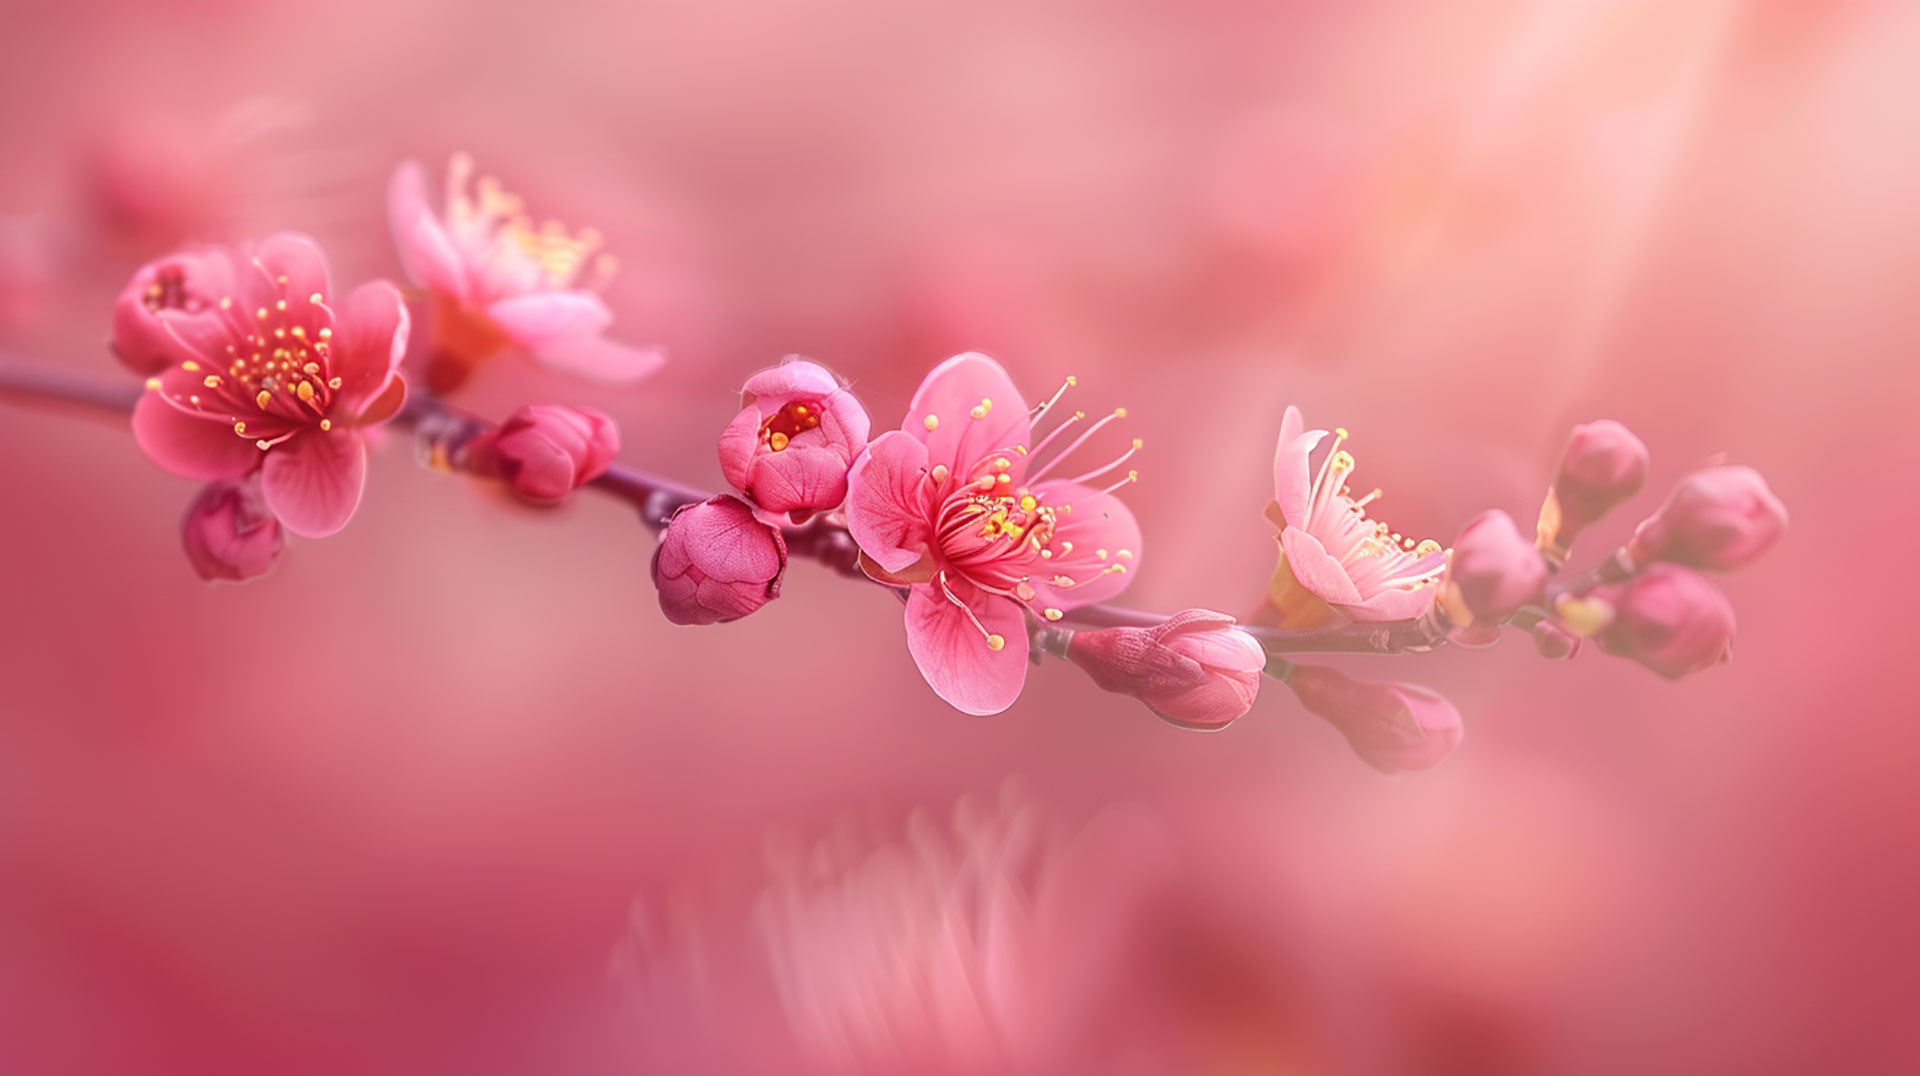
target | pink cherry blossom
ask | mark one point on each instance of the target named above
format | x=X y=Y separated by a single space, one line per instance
x=1392 y=727
x=796 y=436
x=185 y=288
x=284 y=381
x=496 y=279
x=957 y=505
x=1718 y=519
x=546 y=451
x=1332 y=556
x=1492 y=571
x=229 y=533
x=1604 y=465
x=1670 y=619
x=1194 y=669
x=717 y=562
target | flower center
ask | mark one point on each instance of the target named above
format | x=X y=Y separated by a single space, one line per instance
x=1374 y=554
x=789 y=422
x=547 y=257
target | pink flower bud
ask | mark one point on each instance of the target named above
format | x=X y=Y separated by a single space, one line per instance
x=1670 y=619
x=1195 y=669
x=798 y=432
x=1392 y=727
x=229 y=533
x=1719 y=519
x=1604 y=465
x=1554 y=641
x=168 y=301
x=546 y=451
x=1493 y=571
x=717 y=562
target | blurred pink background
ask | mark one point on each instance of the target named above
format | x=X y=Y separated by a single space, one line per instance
x=398 y=807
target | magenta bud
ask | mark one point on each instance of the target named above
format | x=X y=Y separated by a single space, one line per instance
x=796 y=436
x=1718 y=519
x=1554 y=641
x=1194 y=669
x=1492 y=571
x=717 y=562
x=229 y=533
x=171 y=304
x=1670 y=619
x=546 y=451
x=1604 y=465
x=1392 y=727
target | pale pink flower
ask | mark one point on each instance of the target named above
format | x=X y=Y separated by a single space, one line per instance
x=545 y=451
x=184 y=288
x=285 y=381
x=1719 y=519
x=1393 y=727
x=1603 y=466
x=956 y=505
x=1492 y=571
x=229 y=533
x=497 y=279
x=1670 y=619
x=1194 y=669
x=1332 y=556
x=717 y=562
x=796 y=436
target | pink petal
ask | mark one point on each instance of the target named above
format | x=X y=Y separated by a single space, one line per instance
x=885 y=511
x=424 y=245
x=949 y=395
x=1316 y=569
x=737 y=444
x=313 y=482
x=190 y=446
x=385 y=405
x=1292 y=474
x=953 y=654
x=598 y=359
x=1098 y=521
x=370 y=338
x=284 y=254
x=537 y=320
x=1395 y=604
x=793 y=377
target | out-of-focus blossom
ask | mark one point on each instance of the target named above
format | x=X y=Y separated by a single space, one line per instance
x=1492 y=571
x=1603 y=466
x=284 y=381
x=1554 y=641
x=1194 y=669
x=1670 y=619
x=1393 y=727
x=1718 y=519
x=717 y=562
x=546 y=451
x=167 y=299
x=1333 y=558
x=798 y=432
x=497 y=279
x=957 y=505
x=229 y=533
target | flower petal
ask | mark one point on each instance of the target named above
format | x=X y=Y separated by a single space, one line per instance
x=190 y=446
x=370 y=339
x=283 y=254
x=313 y=482
x=1292 y=476
x=794 y=376
x=949 y=396
x=425 y=248
x=599 y=359
x=1316 y=569
x=886 y=512
x=538 y=319
x=1397 y=603
x=1099 y=523
x=953 y=653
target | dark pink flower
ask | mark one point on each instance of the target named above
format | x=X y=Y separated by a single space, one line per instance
x=953 y=505
x=284 y=381
x=184 y=289
x=1603 y=466
x=1670 y=619
x=1492 y=571
x=1332 y=556
x=497 y=279
x=229 y=533
x=1195 y=669
x=717 y=562
x=798 y=432
x=1719 y=519
x=1393 y=727
x=546 y=451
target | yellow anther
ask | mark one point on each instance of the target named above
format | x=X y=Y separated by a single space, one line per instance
x=262 y=445
x=261 y=313
x=316 y=297
x=979 y=410
x=326 y=334
x=1053 y=614
x=1138 y=443
x=1426 y=548
x=240 y=428
x=305 y=391
x=777 y=441
x=326 y=424
x=1124 y=554
x=1002 y=463
x=931 y=422
x=1101 y=553
x=1029 y=503
x=280 y=304
x=190 y=366
x=1005 y=479
x=263 y=399
x=310 y=368
x=1072 y=380
x=940 y=472
x=1342 y=461
x=211 y=381
x=226 y=302
x=996 y=642
x=333 y=383
x=1119 y=412
x=153 y=384
x=1340 y=432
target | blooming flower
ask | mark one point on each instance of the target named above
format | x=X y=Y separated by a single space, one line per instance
x=284 y=381
x=496 y=280
x=1669 y=618
x=1492 y=571
x=183 y=288
x=1194 y=669
x=954 y=506
x=1332 y=556
x=229 y=533
x=717 y=562
x=1604 y=465
x=1393 y=727
x=546 y=451
x=1719 y=519
x=797 y=434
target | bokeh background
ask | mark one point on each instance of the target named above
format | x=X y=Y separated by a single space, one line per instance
x=445 y=794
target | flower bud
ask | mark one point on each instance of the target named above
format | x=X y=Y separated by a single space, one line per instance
x=229 y=533
x=1492 y=571
x=1392 y=727
x=717 y=562
x=1194 y=669
x=1554 y=641
x=1604 y=465
x=546 y=451
x=798 y=432
x=169 y=300
x=1668 y=618
x=1718 y=519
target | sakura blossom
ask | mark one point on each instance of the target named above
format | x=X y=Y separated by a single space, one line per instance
x=793 y=442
